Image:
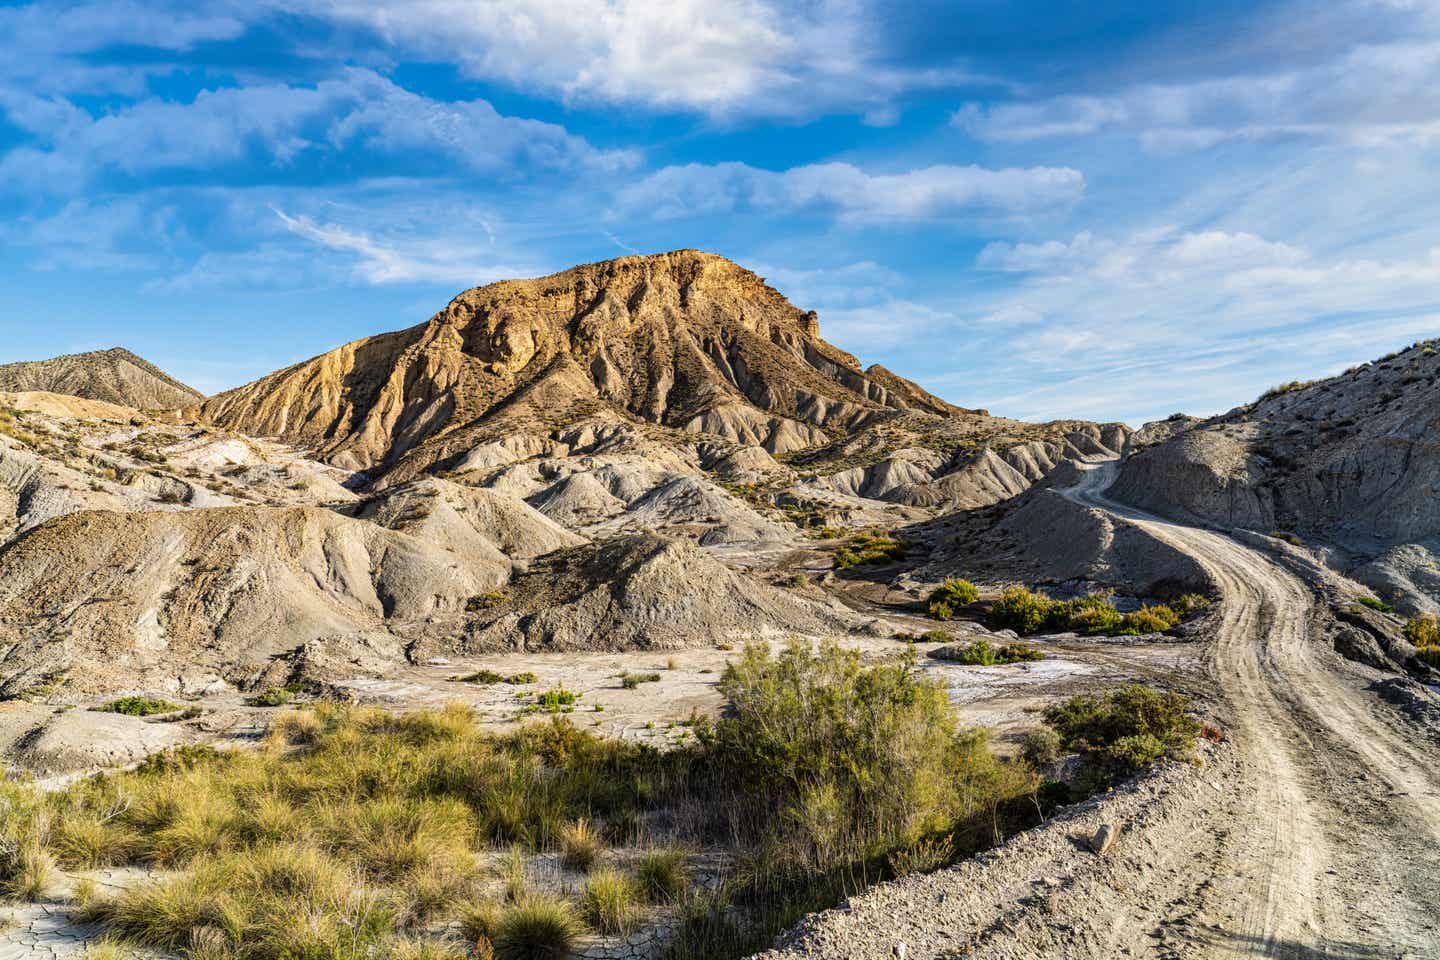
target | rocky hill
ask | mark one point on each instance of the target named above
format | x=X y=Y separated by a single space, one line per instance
x=687 y=340
x=112 y=376
x=1352 y=462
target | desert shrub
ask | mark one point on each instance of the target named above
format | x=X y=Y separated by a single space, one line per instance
x=479 y=920
x=1189 y=604
x=1288 y=537
x=1124 y=731
x=138 y=706
x=557 y=700
x=662 y=874
x=1284 y=388
x=610 y=901
x=1148 y=620
x=1094 y=616
x=580 y=845
x=1020 y=610
x=483 y=678
x=982 y=653
x=1424 y=633
x=632 y=680
x=1041 y=747
x=521 y=679
x=923 y=856
x=487 y=601
x=537 y=928
x=950 y=597
x=274 y=697
x=1374 y=604
x=26 y=865
x=846 y=762
x=868 y=548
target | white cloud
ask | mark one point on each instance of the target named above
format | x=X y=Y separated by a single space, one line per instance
x=929 y=193
x=1200 y=320
x=765 y=57
x=420 y=260
x=279 y=123
x=1368 y=96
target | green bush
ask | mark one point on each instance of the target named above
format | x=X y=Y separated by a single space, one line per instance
x=557 y=700
x=1124 y=731
x=1374 y=604
x=868 y=548
x=632 y=680
x=950 y=597
x=487 y=601
x=1026 y=613
x=483 y=678
x=847 y=762
x=1424 y=633
x=274 y=697
x=981 y=653
x=1148 y=620
x=1022 y=611
x=138 y=706
x=1041 y=747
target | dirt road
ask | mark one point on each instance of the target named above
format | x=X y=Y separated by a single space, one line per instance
x=1314 y=833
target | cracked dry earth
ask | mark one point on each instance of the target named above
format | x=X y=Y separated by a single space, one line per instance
x=1314 y=832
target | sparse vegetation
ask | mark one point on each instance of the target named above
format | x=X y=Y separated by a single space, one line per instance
x=580 y=845
x=1378 y=605
x=1424 y=633
x=354 y=832
x=632 y=680
x=487 y=601
x=1288 y=537
x=982 y=653
x=1284 y=388
x=950 y=598
x=869 y=548
x=1121 y=732
x=1028 y=613
x=138 y=706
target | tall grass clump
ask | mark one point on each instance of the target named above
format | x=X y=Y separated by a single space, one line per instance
x=610 y=900
x=537 y=928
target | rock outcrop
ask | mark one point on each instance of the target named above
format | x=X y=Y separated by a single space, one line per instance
x=685 y=339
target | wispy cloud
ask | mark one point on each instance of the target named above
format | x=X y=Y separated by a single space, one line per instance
x=852 y=194
x=419 y=261
x=1368 y=96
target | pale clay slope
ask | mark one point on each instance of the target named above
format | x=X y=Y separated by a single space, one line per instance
x=1352 y=462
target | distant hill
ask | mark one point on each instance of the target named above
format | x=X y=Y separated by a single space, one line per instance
x=112 y=376
x=1352 y=460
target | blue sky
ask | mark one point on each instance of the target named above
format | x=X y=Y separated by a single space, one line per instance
x=1102 y=210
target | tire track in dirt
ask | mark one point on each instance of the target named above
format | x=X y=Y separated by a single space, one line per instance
x=1314 y=832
